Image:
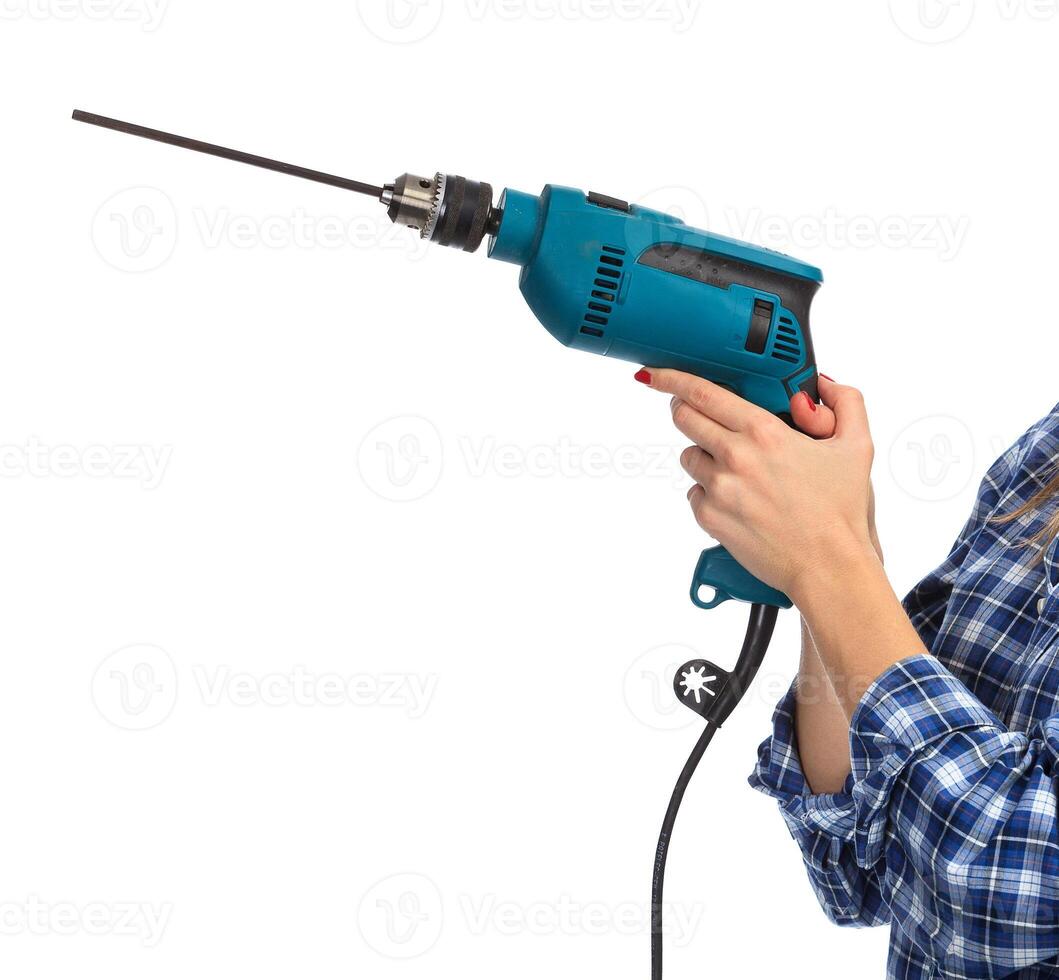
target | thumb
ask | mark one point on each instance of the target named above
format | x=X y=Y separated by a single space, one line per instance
x=851 y=417
x=814 y=420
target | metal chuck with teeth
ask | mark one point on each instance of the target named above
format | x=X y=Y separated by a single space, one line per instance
x=446 y=209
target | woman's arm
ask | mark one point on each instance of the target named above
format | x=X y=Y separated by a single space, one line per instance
x=821 y=726
x=820 y=723
x=949 y=821
x=857 y=622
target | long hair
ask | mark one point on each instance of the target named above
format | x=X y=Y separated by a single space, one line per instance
x=1039 y=499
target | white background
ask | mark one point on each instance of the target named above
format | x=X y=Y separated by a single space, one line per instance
x=477 y=604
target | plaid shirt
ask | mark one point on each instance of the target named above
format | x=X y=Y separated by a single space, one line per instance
x=948 y=826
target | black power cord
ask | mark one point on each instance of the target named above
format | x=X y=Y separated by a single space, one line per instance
x=727 y=692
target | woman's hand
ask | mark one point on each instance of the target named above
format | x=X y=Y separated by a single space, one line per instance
x=783 y=503
x=794 y=511
x=818 y=421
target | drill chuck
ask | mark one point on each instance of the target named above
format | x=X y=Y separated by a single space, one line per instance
x=446 y=209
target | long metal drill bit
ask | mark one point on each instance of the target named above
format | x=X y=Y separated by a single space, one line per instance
x=221 y=151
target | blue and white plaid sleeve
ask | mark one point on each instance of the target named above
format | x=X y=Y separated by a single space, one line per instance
x=928 y=601
x=960 y=816
x=948 y=826
x=823 y=826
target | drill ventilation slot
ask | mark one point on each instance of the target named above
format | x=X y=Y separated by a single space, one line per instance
x=605 y=291
x=788 y=345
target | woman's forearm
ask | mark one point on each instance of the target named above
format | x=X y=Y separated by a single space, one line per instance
x=857 y=622
x=820 y=724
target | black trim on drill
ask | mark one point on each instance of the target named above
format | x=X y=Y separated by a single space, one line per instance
x=722 y=271
x=760 y=325
x=606 y=201
x=463 y=217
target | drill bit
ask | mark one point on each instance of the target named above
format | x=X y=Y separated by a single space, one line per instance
x=445 y=208
x=221 y=151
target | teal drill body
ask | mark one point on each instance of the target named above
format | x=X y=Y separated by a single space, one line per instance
x=624 y=281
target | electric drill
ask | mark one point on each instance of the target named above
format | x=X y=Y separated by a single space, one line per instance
x=612 y=278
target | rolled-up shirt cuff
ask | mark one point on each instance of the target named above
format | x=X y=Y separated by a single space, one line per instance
x=909 y=708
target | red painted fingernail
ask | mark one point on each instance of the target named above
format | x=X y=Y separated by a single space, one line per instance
x=643 y=376
x=812 y=404
x=829 y=378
